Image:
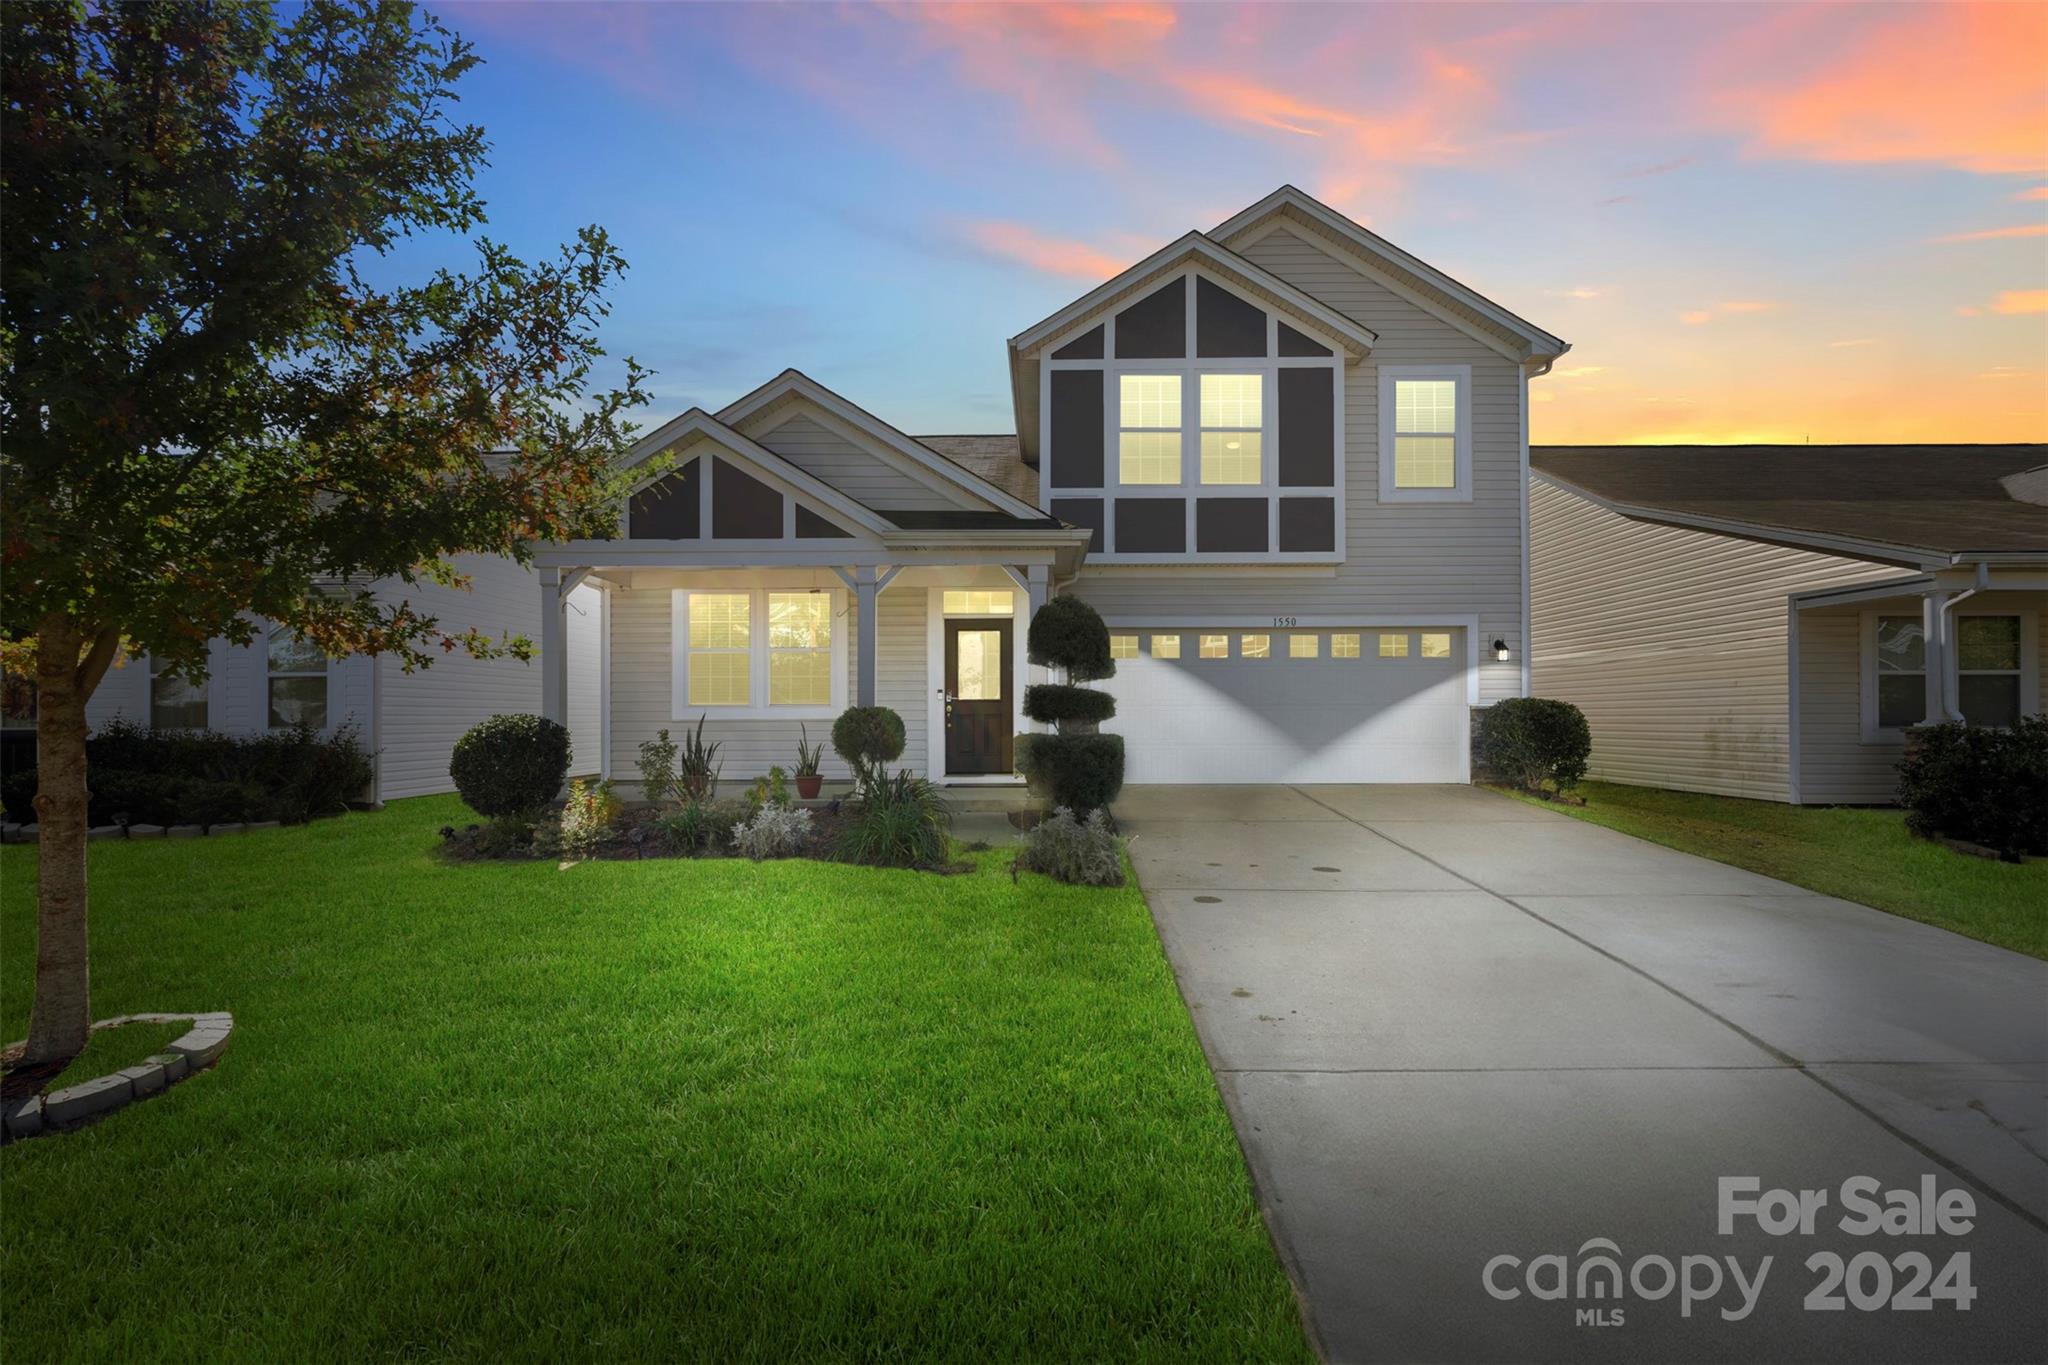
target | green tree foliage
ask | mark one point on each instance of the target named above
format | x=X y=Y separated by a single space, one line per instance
x=207 y=405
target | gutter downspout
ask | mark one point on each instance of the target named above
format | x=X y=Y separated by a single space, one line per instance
x=1949 y=707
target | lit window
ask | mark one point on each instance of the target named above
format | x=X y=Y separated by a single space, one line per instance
x=1425 y=433
x=298 y=681
x=980 y=665
x=175 y=703
x=1304 y=646
x=1393 y=646
x=1232 y=415
x=1166 y=646
x=1214 y=647
x=1988 y=669
x=1123 y=646
x=799 y=648
x=721 y=648
x=1901 y=672
x=1436 y=646
x=1148 y=429
x=979 y=603
x=1344 y=646
x=1255 y=646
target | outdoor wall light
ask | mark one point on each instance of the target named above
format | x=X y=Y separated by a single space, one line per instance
x=1500 y=650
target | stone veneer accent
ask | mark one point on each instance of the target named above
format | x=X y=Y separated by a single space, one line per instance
x=77 y=1104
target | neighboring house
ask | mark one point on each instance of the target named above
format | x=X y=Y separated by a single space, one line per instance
x=410 y=720
x=1766 y=621
x=1286 y=460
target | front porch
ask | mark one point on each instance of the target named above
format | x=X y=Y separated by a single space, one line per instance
x=766 y=655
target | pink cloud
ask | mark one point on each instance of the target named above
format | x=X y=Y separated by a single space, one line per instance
x=1728 y=308
x=1957 y=85
x=1993 y=234
x=1052 y=255
x=2038 y=192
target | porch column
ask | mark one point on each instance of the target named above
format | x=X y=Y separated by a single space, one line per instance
x=554 y=648
x=869 y=593
x=1037 y=586
x=1934 y=623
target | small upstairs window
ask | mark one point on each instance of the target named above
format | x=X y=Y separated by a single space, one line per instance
x=1148 y=429
x=1233 y=415
x=1425 y=435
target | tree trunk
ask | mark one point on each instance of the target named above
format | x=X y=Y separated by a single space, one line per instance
x=62 y=1013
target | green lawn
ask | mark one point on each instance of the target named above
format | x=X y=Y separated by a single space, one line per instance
x=1856 y=854
x=668 y=1109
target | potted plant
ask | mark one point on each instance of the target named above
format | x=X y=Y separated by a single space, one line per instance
x=809 y=782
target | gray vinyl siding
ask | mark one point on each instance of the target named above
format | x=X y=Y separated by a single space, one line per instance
x=1401 y=560
x=421 y=714
x=855 y=472
x=1673 y=642
x=643 y=667
x=237 y=690
x=1837 y=764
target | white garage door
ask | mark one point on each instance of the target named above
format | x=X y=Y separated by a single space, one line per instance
x=1338 y=705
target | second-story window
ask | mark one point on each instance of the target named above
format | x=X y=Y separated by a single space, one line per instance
x=1148 y=429
x=1425 y=433
x=1233 y=415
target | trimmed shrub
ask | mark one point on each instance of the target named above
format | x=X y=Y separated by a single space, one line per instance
x=18 y=795
x=1533 y=740
x=173 y=777
x=510 y=765
x=1068 y=633
x=1079 y=852
x=901 y=821
x=135 y=798
x=1080 y=772
x=773 y=832
x=1058 y=704
x=868 y=737
x=1984 y=786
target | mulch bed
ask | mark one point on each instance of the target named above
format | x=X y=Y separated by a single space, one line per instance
x=639 y=837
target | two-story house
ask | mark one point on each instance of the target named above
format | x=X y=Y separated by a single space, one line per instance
x=1286 y=460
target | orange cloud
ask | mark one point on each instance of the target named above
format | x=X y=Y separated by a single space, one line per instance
x=1053 y=255
x=1993 y=234
x=2022 y=301
x=1852 y=341
x=2038 y=192
x=1955 y=85
x=1579 y=293
x=1729 y=308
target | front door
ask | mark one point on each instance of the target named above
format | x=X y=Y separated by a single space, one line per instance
x=978 y=703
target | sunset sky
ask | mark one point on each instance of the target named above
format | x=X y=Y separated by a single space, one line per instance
x=1752 y=222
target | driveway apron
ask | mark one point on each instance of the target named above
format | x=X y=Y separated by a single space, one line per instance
x=1455 y=1032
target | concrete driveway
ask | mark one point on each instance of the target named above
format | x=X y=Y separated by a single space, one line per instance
x=1451 y=1027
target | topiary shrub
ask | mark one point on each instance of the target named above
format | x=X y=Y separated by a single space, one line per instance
x=510 y=765
x=868 y=738
x=1533 y=740
x=1068 y=633
x=1057 y=704
x=1080 y=772
x=1980 y=785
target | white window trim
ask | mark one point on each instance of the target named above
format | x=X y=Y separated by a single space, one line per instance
x=1190 y=368
x=2030 y=673
x=757 y=647
x=1461 y=490
x=263 y=694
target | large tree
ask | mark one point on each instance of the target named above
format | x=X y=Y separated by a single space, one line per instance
x=208 y=405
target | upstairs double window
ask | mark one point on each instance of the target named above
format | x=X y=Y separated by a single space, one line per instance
x=1152 y=421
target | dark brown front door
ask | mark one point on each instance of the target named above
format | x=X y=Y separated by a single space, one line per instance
x=978 y=702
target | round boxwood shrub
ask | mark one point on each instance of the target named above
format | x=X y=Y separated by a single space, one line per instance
x=511 y=765
x=868 y=737
x=1055 y=703
x=1533 y=740
x=1080 y=772
x=1068 y=633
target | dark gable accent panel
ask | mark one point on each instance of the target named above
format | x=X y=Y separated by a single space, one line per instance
x=1308 y=430
x=1232 y=525
x=1156 y=326
x=742 y=507
x=1081 y=512
x=667 y=508
x=1226 y=325
x=1308 y=524
x=1087 y=346
x=1076 y=453
x=811 y=526
x=1151 y=526
x=1294 y=343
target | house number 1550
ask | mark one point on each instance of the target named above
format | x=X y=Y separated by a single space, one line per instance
x=1282 y=622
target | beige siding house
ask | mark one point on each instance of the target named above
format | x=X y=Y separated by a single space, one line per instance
x=1286 y=460
x=1766 y=621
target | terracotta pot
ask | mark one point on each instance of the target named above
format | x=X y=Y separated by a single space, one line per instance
x=809 y=787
